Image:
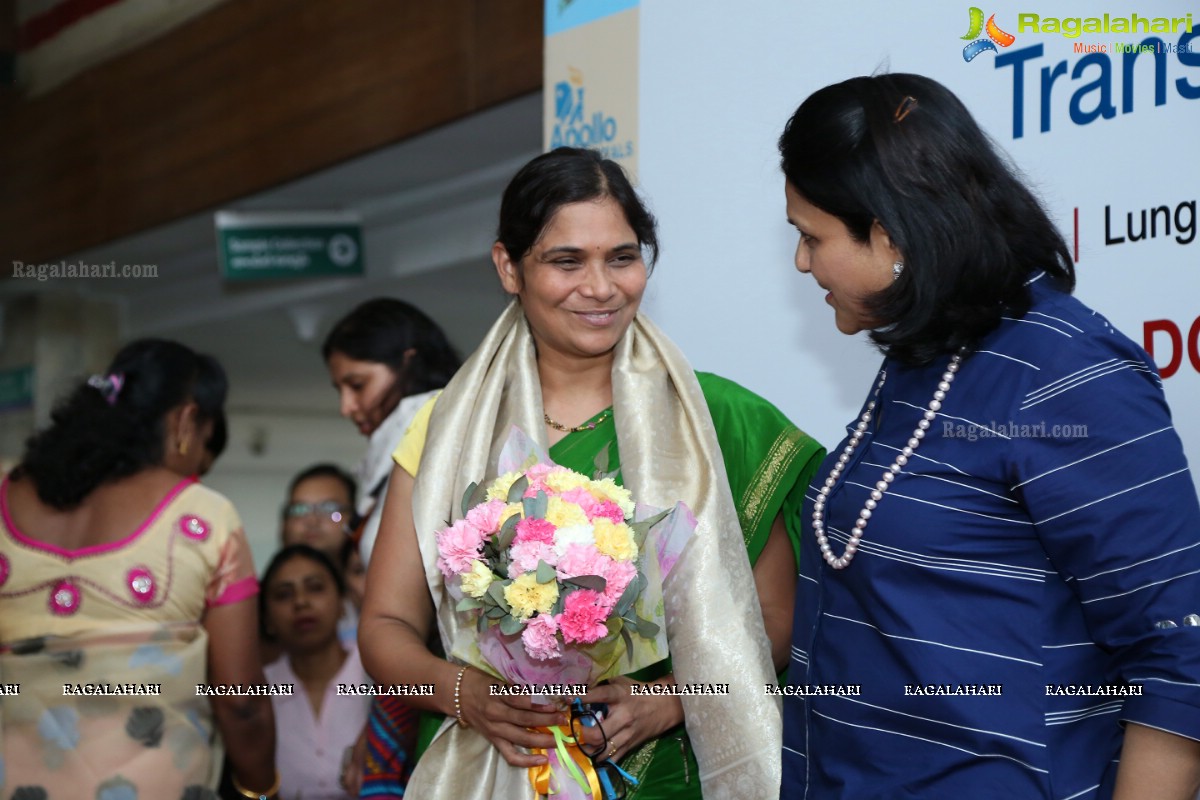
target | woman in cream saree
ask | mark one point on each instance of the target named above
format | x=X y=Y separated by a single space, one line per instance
x=575 y=349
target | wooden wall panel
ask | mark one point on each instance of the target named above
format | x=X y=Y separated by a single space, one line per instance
x=248 y=96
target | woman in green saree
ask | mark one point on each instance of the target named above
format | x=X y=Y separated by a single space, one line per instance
x=572 y=363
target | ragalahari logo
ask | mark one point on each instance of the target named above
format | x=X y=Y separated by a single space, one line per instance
x=994 y=34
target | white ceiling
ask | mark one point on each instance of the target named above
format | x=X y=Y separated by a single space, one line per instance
x=429 y=211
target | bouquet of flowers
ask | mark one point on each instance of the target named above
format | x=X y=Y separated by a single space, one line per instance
x=563 y=575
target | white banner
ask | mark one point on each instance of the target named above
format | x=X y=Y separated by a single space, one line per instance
x=1096 y=103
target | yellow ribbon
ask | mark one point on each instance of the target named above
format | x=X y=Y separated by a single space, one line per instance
x=578 y=765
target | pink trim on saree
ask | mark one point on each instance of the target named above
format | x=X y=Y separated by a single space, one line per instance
x=234 y=578
x=236 y=592
x=95 y=549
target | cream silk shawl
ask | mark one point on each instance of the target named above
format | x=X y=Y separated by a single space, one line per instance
x=669 y=452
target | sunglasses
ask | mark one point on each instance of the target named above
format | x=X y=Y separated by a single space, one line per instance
x=614 y=781
x=328 y=509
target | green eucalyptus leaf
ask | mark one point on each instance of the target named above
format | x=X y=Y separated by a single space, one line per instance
x=468 y=495
x=517 y=490
x=561 y=602
x=642 y=528
x=510 y=625
x=593 y=582
x=545 y=573
x=628 y=642
x=496 y=612
x=646 y=628
x=468 y=604
x=496 y=592
x=508 y=532
x=631 y=594
x=535 y=507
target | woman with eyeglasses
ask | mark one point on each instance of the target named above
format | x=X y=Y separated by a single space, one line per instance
x=302 y=596
x=319 y=508
x=386 y=359
x=318 y=513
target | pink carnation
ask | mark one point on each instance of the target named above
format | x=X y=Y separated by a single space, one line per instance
x=532 y=529
x=610 y=510
x=486 y=516
x=619 y=574
x=582 y=559
x=536 y=486
x=539 y=471
x=540 y=638
x=579 y=559
x=458 y=546
x=582 y=498
x=582 y=619
x=526 y=555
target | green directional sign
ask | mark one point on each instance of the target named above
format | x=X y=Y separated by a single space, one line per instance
x=257 y=246
x=16 y=388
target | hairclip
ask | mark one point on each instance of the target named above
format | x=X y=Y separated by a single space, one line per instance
x=906 y=105
x=109 y=386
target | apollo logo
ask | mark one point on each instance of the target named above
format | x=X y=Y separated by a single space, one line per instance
x=995 y=36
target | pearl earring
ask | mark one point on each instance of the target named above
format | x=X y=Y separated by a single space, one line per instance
x=897 y=268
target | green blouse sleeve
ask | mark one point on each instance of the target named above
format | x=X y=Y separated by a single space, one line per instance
x=769 y=460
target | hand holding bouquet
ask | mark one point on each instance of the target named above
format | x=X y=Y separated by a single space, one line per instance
x=563 y=574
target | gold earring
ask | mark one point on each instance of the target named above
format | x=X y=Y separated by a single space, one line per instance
x=183 y=447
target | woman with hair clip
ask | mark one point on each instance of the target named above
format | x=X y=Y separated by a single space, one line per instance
x=573 y=364
x=386 y=359
x=123 y=588
x=1002 y=555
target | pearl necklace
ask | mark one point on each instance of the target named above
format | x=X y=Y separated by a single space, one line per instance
x=889 y=475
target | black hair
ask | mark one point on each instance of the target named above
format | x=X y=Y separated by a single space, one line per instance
x=902 y=150
x=91 y=440
x=326 y=470
x=563 y=176
x=286 y=554
x=384 y=331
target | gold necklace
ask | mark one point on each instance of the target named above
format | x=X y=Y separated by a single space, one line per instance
x=587 y=426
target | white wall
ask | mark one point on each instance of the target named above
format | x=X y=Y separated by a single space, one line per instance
x=719 y=80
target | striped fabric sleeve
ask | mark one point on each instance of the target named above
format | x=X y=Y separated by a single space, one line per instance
x=1115 y=507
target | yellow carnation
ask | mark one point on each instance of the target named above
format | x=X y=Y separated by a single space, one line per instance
x=526 y=596
x=512 y=509
x=499 y=488
x=607 y=489
x=563 y=514
x=615 y=540
x=565 y=480
x=476 y=582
